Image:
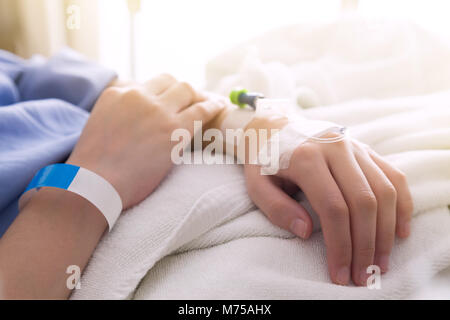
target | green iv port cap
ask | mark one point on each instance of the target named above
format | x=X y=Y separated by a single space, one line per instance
x=234 y=97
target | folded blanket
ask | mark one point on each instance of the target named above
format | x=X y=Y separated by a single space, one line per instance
x=200 y=236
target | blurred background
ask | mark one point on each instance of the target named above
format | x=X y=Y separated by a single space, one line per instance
x=142 y=38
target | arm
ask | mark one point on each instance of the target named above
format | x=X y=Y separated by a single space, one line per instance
x=56 y=229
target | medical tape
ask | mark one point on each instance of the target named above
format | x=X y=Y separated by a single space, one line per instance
x=282 y=145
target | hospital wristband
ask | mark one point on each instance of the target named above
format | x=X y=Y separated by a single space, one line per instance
x=83 y=182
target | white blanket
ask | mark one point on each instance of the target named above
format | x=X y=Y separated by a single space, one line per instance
x=199 y=235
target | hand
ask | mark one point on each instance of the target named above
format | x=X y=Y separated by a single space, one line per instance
x=127 y=137
x=361 y=200
x=127 y=141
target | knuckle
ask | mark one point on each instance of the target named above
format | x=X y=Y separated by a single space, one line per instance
x=360 y=145
x=389 y=193
x=202 y=111
x=366 y=252
x=386 y=246
x=366 y=202
x=400 y=176
x=111 y=92
x=306 y=152
x=132 y=94
x=187 y=87
x=337 y=210
x=386 y=249
x=359 y=150
x=155 y=103
x=108 y=98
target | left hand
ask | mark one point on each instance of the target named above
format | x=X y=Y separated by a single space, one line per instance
x=362 y=202
x=127 y=139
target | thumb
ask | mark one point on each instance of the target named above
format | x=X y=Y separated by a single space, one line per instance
x=278 y=206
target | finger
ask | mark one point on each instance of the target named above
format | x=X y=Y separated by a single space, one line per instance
x=362 y=205
x=386 y=196
x=404 y=199
x=202 y=111
x=279 y=207
x=179 y=96
x=159 y=84
x=314 y=178
x=289 y=187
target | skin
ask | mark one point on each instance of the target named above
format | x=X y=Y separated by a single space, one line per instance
x=361 y=199
x=57 y=229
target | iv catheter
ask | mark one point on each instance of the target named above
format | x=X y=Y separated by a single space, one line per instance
x=242 y=97
x=283 y=143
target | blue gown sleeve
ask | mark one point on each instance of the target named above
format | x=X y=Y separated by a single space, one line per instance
x=67 y=76
x=44 y=106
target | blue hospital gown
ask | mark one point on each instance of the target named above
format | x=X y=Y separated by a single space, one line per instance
x=44 y=105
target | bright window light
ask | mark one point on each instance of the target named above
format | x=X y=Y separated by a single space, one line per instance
x=180 y=36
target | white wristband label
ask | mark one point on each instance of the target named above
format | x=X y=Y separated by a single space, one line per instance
x=83 y=182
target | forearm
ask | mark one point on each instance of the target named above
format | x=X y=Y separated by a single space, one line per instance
x=58 y=229
x=55 y=230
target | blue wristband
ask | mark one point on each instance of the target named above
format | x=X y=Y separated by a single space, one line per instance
x=83 y=182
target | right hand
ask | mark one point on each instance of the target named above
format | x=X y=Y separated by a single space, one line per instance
x=127 y=139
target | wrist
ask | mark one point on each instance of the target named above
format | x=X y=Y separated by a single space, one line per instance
x=99 y=167
x=263 y=128
x=267 y=122
x=51 y=201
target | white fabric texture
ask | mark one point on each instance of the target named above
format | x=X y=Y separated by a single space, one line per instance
x=198 y=236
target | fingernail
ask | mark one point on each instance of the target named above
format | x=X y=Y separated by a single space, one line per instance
x=343 y=276
x=363 y=277
x=383 y=262
x=298 y=227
